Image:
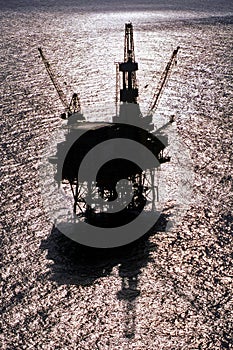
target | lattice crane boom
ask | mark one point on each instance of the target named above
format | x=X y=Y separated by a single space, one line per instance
x=162 y=82
x=74 y=106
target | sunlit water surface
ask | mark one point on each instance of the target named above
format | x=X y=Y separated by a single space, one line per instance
x=173 y=290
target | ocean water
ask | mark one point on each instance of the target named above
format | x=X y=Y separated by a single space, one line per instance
x=173 y=289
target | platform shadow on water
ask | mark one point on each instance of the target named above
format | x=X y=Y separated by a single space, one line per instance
x=74 y=264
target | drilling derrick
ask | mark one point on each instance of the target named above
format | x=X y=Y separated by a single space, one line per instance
x=129 y=92
x=129 y=111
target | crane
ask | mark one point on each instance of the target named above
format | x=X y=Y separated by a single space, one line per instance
x=162 y=82
x=74 y=106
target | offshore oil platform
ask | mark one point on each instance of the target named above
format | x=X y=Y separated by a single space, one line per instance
x=128 y=123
